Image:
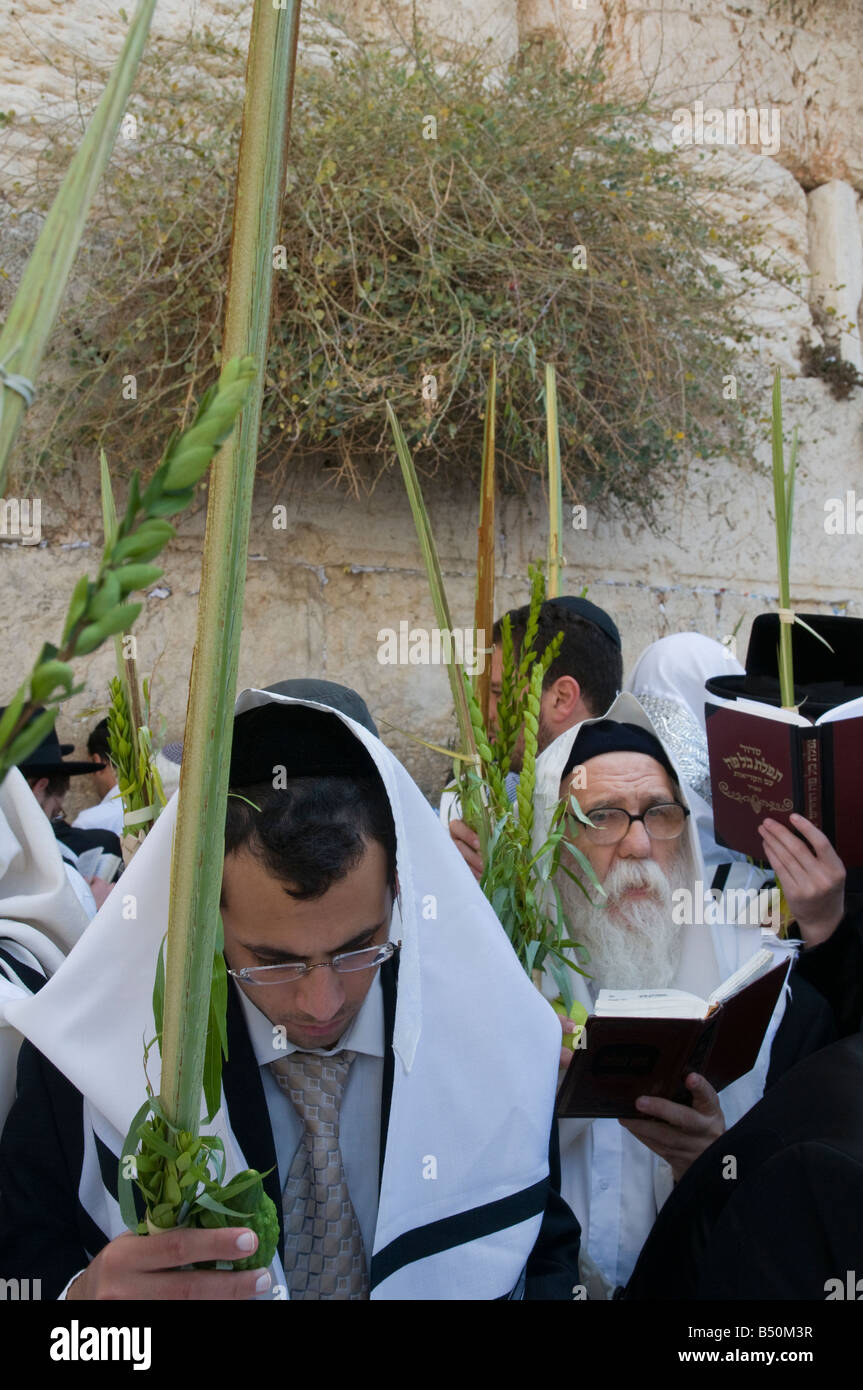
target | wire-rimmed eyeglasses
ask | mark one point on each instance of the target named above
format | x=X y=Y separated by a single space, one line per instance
x=345 y=963
x=611 y=824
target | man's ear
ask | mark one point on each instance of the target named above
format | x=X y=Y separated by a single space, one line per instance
x=562 y=700
x=38 y=786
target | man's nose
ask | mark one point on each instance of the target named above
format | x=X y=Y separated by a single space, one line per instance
x=635 y=843
x=321 y=994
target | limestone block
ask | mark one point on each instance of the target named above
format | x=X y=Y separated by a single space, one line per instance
x=752 y=190
x=803 y=59
x=836 y=262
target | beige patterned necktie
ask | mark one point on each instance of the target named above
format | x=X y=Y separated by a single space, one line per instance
x=324 y=1255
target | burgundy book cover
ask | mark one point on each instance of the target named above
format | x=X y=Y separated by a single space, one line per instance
x=847 y=789
x=625 y=1058
x=753 y=775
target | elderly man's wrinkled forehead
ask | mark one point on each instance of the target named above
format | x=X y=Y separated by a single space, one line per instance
x=622 y=774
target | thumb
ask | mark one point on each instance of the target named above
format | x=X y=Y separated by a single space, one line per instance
x=704 y=1099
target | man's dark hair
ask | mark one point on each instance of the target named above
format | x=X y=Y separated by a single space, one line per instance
x=587 y=653
x=58 y=783
x=97 y=742
x=313 y=831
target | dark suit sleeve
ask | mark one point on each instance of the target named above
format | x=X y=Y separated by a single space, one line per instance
x=795 y=1224
x=40 y=1163
x=807 y=1026
x=835 y=969
x=552 y=1268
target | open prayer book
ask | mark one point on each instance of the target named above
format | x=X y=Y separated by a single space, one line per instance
x=645 y=1042
x=98 y=863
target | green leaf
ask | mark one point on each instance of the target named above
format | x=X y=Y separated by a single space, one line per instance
x=133 y=502
x=559 y=971
x=30 y=738
x=12 y=714
x=170 y=505
x=77 y=604
x=124 y=1185
x=577 y=811
x=151 y=1140
x=106 y=597
x=217 y=1035
x=134 y=576
x=586 y=865
x=159 y=988
x=118 y=620
x=47 y=677
x=109 y=511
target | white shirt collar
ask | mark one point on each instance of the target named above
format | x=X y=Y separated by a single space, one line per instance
x=365 y=1034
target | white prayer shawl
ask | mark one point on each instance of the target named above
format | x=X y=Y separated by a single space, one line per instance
x=40 y=916
x=668 y=681
x=475 y=1095
x=613 y=1183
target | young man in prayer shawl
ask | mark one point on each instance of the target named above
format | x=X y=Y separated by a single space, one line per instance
x=360 y=952
x=580 y=684
x=643 y=848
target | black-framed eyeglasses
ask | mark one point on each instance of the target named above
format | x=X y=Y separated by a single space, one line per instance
x=345 y=963
x=611 y=824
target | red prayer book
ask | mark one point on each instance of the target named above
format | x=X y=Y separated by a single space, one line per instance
x=768 y=761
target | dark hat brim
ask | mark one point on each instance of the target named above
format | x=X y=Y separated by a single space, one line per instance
x=67 y=769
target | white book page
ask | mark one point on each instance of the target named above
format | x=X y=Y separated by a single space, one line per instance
x=649 y=1003
x=781 y=716
x=852 y=709
x=752 y=969
x=98 y=863
x=88 y=861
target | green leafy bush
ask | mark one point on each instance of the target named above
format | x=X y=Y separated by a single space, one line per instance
x=430 y=220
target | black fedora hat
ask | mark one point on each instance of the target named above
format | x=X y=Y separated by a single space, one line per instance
x=47 y=759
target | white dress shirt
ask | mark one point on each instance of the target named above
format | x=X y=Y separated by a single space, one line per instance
x=616 y=1187
x=360 y=1113
x=108 y=815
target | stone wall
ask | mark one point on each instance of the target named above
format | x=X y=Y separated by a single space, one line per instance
x=320 y=591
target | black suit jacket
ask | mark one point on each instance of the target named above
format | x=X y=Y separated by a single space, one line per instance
x=45 y=1232
x=787 y=1215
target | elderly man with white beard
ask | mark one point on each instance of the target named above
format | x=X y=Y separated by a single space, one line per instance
x=642 y=847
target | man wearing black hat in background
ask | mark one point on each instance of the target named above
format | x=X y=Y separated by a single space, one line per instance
x=47 y=771
x=580 y=683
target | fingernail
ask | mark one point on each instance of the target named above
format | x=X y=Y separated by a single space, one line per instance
x=263 y=1282
x=642 y=1103
x=247 y=1241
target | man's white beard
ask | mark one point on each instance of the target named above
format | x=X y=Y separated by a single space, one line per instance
x=633 y=942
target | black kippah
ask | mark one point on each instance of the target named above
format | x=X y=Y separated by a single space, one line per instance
x=591 y=612
x=305 y=742
x=339 y=697
x=610 y=736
